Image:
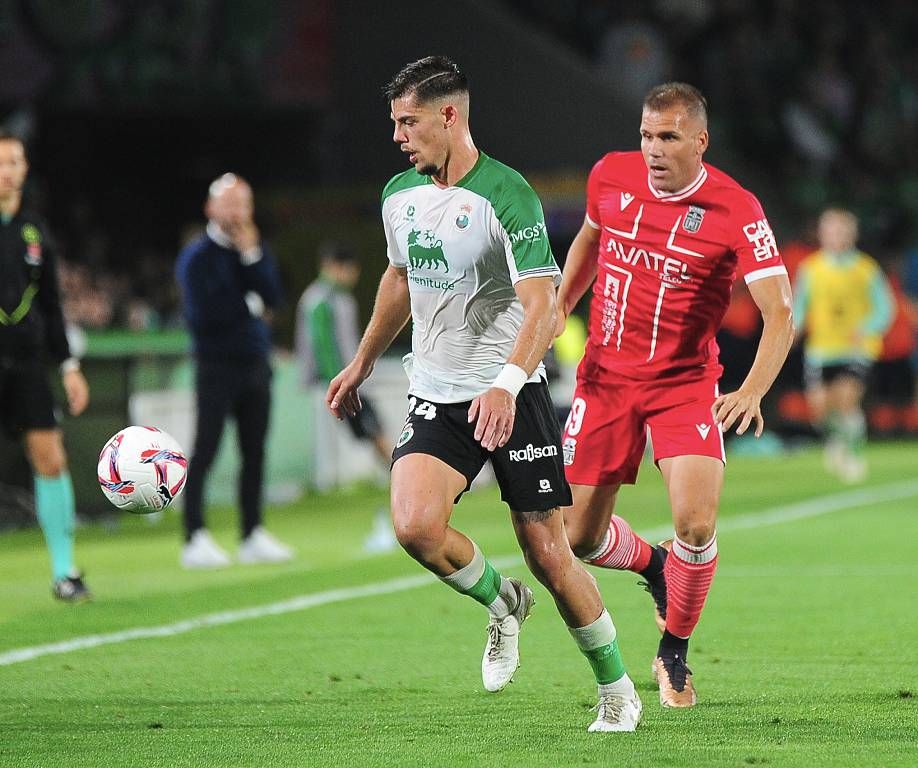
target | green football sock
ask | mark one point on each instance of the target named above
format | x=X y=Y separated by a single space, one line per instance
x=54 y=508
x=482 y=582
x=597 y=642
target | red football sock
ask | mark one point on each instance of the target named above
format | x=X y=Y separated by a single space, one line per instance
x=622 y=549
x=689 y=572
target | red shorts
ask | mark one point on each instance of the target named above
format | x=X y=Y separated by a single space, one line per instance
x=609 y=423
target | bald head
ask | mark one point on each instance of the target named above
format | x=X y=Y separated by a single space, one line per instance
x=230 y=202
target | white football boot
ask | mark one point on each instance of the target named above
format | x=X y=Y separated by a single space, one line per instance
x=202 y=551
x=617 y=712
x=502 y=651
x=261 y=547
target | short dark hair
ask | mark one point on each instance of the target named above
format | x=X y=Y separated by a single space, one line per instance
x=340 y=253
x=668 y=95
x=427 y=79
x=6 y=135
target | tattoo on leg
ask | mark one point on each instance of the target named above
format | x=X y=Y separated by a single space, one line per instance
x=535 y=517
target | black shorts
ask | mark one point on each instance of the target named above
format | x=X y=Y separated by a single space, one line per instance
x=364 y=424
x=529 y=468
x=26 y=401
x=893 y=381
x=814 y=375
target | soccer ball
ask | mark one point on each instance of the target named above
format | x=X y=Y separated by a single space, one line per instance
x=142 y=469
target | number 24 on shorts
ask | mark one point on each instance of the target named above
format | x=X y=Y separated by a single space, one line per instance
x=423 y=408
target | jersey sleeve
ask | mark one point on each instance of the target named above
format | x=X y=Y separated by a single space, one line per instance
x=592 y=195
x=396 y=257
x=882 y=303
x=521 y=229
x=49 y=301
x=753 y=241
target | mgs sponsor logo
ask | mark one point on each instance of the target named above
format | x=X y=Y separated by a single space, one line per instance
x=529 y=234
x=531 y=453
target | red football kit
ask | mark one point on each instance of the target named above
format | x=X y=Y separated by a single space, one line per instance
x=666 y=263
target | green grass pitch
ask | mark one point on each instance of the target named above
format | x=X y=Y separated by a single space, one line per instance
x=806 y=655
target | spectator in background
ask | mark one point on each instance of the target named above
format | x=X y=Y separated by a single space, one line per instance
x=843 y=304
x=229 y=283
x=32 y=334
x=633 y=54
x=326 y=337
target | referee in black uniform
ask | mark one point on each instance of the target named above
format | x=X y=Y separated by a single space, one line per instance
x=32 y=336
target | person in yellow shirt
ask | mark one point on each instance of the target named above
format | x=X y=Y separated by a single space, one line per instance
x=843 y=305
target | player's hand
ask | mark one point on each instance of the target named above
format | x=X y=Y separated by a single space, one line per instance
x=560 y=321
x=495 y=411
x=244 y=235
x=342 y=397
x=77 y=391
x=738 y=408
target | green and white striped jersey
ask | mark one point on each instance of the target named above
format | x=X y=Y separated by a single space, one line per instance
x=464 y=248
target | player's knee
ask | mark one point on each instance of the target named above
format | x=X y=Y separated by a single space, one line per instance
x=416 y=532
x=50 y=463
x=584 y=547
x=696 y=533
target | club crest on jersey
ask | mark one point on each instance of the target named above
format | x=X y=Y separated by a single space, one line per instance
x=569 y=448
x=693 y=219
x=463 y=220
x=32 y=238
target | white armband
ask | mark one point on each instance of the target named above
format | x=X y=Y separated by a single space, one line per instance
x=512 y=378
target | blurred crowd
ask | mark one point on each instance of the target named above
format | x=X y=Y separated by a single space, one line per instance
x=820 y=106
x=822 y=96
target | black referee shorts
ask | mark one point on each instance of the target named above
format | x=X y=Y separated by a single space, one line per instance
x=529 y=468
x=26 y=401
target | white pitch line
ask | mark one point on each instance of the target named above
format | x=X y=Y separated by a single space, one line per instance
x=821 y=505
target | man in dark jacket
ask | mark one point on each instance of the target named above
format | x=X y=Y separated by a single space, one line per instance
x=32 y=335
x=229 y=282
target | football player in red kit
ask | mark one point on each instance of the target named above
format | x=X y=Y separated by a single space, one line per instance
x=662 y=241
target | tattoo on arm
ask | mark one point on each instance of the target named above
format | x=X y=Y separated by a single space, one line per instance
x=535 y=517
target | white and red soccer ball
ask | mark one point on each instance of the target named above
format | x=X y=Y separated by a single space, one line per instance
x=142 y=469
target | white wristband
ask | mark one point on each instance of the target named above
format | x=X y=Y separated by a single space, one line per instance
x=70 y=364
x=512 y=378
